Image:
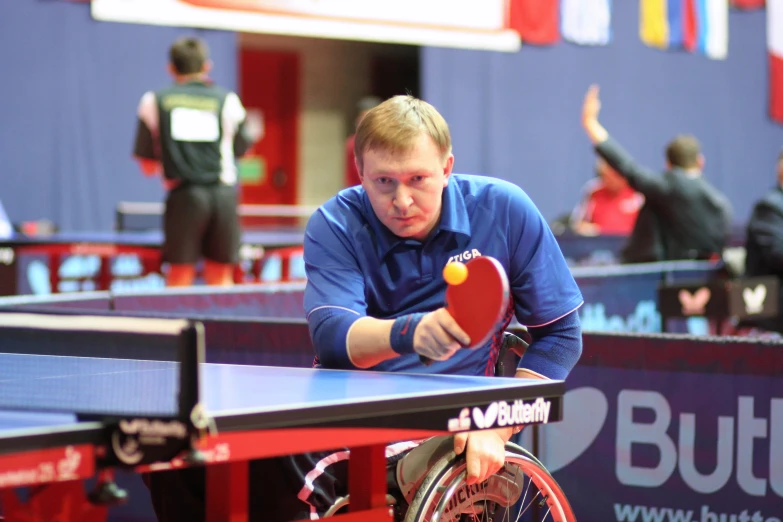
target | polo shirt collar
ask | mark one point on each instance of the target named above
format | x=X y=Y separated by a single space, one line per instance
x=453 y=218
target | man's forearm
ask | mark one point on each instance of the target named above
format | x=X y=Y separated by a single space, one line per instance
x=369 y=342
x=524 y=373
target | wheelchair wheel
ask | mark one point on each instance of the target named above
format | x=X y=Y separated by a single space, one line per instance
x=506 y=496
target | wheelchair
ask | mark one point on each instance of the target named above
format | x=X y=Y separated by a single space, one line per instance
x=441 y=495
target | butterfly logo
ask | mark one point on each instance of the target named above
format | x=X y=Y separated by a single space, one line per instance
x=567 y=440
x=462 y=422
x=694 y=304
x=486 y=419
x=754 y=299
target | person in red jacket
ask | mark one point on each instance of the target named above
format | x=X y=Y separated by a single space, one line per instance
x=609 y=207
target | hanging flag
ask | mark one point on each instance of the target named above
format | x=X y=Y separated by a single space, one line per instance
x=775 y=51
x=694 y=25
x=747 y=4
x=536 y=21
x=675 y=11
x=712 y=28
x=653 y=23
x=586 y=22
x=689 y=25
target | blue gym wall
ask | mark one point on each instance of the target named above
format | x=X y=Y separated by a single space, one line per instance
x=516 y=116
x=70 y=86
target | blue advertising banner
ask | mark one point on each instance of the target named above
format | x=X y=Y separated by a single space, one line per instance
x=672 y=429
x=279 y=300
x=624 y=298
x=78 y=273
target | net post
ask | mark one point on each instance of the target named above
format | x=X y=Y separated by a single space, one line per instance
x=191 y=356
x=191 y=411
x=119 y=221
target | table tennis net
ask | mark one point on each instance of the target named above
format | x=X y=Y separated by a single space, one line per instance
x=97 y=366
x=146 y=216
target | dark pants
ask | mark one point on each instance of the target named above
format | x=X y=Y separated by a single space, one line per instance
x=201 y=222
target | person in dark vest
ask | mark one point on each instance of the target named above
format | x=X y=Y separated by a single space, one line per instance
x=191 y=132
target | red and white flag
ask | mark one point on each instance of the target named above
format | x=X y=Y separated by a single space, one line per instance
x=775 y=51
x=747 y=4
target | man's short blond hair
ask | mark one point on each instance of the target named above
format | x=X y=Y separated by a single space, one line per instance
x=395 y=124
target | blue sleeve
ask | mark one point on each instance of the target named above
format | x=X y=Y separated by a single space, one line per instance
x=542 y=286
x=334 y=293
x=556 y=347
x=329 y=331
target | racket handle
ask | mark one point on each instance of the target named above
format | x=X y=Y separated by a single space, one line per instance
x=426 y=361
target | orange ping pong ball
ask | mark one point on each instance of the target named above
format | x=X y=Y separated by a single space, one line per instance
x=455 y=273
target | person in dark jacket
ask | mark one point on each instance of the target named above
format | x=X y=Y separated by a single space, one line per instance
x=764 y=240
x=684 y=216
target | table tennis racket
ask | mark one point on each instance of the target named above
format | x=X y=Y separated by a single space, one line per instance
x=480 y=302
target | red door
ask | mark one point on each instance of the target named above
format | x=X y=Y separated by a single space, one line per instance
x=269 y=83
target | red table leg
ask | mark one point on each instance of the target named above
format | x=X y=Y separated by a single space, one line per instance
x=238 y=274
x=227 y=492
x=54 y=272
x=228 y=496
x=367 y=477
x=104 y=274
x=367 y=486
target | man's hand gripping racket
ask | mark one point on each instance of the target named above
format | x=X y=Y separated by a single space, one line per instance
x=477 y=297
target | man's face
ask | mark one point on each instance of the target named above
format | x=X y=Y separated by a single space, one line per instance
x=406 y=189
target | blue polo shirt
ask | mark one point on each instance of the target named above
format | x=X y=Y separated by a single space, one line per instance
x=356 y=265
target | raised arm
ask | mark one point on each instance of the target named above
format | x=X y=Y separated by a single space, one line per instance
x=648 y=183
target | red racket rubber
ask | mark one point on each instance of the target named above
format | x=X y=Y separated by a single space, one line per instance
x=479 y=304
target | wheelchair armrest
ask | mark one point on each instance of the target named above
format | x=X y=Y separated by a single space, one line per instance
x=510 y=343
x=514 y=343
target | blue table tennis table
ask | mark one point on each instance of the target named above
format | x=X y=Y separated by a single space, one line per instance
x=140 y=397
x=146 y=245
x=278 y=236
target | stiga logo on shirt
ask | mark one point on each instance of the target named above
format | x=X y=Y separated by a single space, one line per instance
x=464 y=256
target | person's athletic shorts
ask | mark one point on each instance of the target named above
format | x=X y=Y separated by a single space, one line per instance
x=201 y=222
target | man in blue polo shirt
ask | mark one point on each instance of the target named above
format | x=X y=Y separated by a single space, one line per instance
x=374 y=256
